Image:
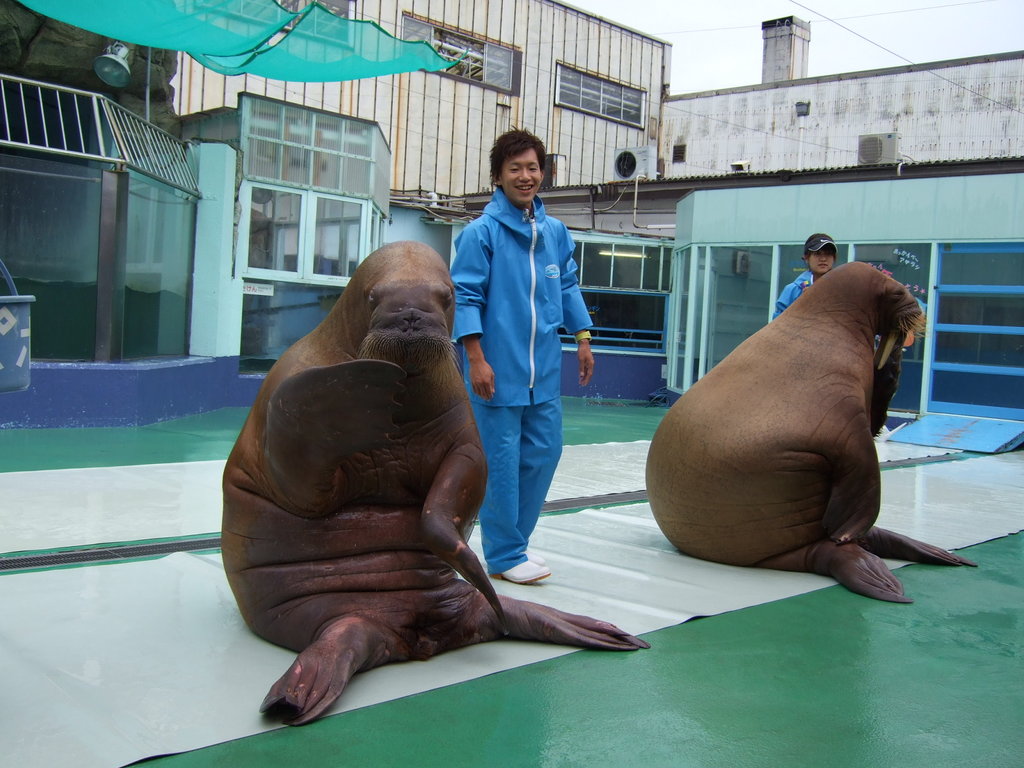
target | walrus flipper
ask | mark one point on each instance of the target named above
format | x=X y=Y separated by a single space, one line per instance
x=321 y=414
x=851 y=565
x=886 y=380
x=458 y=482
x=891 y=544
x=532 y=621
x=320 y=673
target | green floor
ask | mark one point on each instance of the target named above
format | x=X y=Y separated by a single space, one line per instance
x=209 y=436
x=824 y=679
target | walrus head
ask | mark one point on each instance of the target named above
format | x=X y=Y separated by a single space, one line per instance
x=410 y=325
x=399 y=307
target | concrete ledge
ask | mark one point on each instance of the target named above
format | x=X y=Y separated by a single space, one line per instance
x=88 y=394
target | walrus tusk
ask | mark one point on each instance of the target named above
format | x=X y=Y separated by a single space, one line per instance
x=885 y=349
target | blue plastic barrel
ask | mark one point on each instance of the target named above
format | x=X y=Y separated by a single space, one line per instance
x=15 y=337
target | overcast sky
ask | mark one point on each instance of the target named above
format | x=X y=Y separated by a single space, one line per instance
x=718 y=44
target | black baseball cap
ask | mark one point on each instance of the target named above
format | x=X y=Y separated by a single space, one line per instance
x=818 y=241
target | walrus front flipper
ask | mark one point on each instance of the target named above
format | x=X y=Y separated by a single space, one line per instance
x=851 y=565
x=532 y=621
x=321 y=414
x=319 y=674
x=886 y=380
x=449 y=509
x=889 y=544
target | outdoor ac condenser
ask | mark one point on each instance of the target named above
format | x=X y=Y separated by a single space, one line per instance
x=630 y=162
x=877 y=148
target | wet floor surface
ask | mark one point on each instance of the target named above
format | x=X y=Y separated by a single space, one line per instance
x=826 y=678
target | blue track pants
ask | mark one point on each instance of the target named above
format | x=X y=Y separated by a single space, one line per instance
x=522 y=445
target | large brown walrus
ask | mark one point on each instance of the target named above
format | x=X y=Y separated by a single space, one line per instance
x=352 y=489
x=769 y=459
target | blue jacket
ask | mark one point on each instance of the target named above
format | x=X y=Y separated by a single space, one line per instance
x=516 y=303
x=792 y=292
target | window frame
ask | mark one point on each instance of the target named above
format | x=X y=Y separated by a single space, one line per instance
x=560 y=101
x=485 y=50
x=369 y=235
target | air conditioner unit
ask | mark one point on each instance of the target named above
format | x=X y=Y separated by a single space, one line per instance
x=630 y=162
x=877 y=148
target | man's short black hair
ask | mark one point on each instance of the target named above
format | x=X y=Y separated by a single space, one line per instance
x=512 y=143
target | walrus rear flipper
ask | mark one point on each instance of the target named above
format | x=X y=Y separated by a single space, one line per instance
x=322 y=414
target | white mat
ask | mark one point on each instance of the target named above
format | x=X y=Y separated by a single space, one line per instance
x=47 y=509
x=109 y=664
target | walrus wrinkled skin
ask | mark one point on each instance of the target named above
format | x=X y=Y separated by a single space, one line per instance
x=351 y=491
x=769 y=460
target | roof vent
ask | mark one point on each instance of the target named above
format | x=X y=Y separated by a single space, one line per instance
x=877 y=148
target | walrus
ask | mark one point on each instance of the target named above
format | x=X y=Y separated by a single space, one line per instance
x=769 y=459
x=353 y=487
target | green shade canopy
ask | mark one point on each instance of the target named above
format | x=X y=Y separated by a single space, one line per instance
x=257 y=37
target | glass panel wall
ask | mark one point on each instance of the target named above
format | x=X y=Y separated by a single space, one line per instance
x=681 y=344
x=740 y=292
x=50 y=219
x=158 y=268
x=277 y=314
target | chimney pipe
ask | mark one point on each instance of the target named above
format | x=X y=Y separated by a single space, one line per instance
x=786 y=43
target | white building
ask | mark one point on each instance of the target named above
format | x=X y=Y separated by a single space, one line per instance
x=961 y=109
x=583 y=84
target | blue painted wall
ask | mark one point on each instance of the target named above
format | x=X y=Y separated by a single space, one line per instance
x=616 y=376
x=126 y=394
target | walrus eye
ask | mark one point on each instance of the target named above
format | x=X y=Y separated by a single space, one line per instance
x=371 y=297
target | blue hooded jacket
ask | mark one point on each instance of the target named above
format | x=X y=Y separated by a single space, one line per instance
x=792 y=292
x=516 y=303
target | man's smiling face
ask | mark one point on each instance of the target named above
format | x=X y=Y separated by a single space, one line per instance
x=520 y=178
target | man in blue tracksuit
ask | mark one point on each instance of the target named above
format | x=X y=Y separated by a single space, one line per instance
x=515 y=286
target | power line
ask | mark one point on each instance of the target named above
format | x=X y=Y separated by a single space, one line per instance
x=904 y=58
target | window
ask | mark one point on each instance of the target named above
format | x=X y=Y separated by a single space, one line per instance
x=623 y=265
x=302 y=248
x=679 y=153
x=477 y=60
x=599 y=97
x=625 y=285
x=305 y=235
x=306 y=148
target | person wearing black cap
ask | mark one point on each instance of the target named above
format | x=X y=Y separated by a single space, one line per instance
x=820 y=257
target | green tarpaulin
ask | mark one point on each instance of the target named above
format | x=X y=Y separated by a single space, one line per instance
x=256 y=37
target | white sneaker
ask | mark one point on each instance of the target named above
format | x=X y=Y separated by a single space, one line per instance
x=536 y=559
x=524 y=573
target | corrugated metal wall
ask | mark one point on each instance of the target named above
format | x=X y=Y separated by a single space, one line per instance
x=967 y=111
x=440 y=128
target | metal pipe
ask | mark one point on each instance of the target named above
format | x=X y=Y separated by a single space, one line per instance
x=636 y=187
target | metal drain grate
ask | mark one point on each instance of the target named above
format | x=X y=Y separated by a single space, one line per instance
x=106 y=554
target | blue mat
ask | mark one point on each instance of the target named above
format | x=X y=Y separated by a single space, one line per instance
x=964 y=432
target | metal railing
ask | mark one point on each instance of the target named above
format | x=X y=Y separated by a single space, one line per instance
x=65 y=121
